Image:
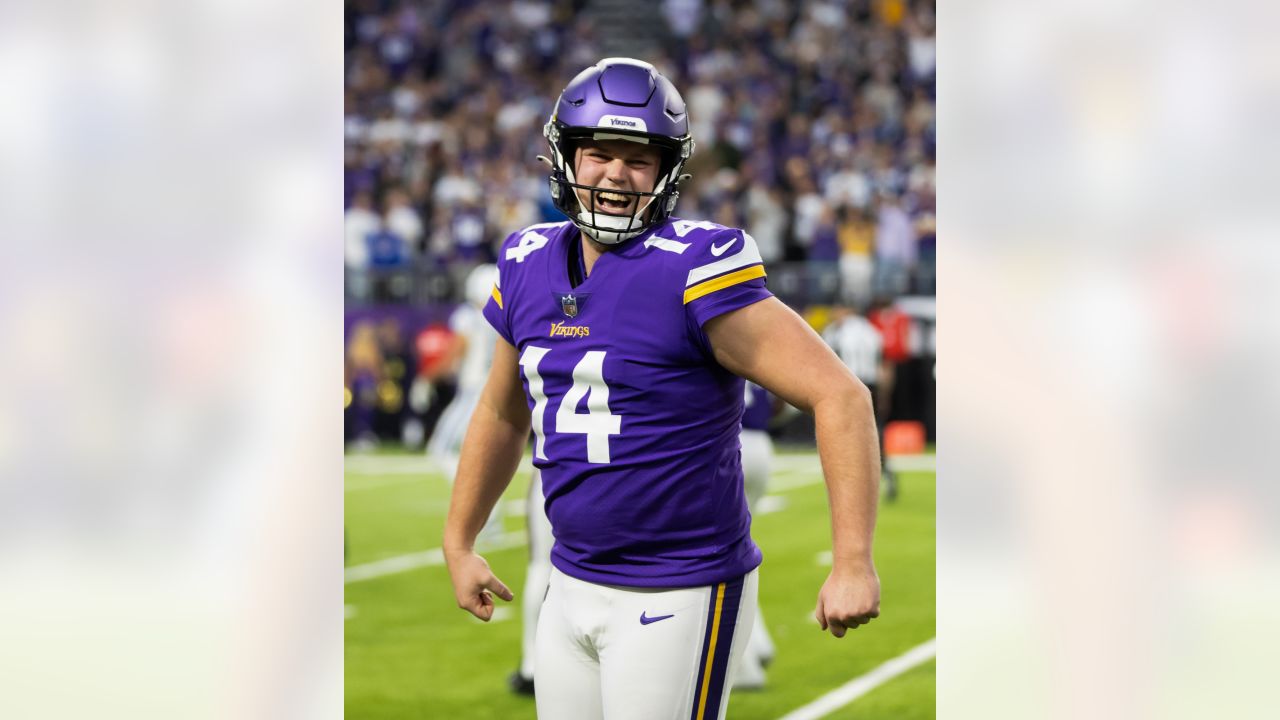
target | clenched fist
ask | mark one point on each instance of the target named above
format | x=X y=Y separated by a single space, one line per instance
x=848 y=599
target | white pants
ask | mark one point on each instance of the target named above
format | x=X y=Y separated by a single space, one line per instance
x=615 y=653
x=537 y=574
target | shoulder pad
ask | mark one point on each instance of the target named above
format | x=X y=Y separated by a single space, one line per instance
x=520 y=244
x=726 y=250
x=679 y=235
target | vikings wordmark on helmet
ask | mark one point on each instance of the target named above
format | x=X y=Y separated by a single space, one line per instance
x=626 y=123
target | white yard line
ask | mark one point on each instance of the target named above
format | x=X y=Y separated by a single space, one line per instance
x=796 y=475
x=426 y=558
x=393 y=565
x=770 y=504
x=386 y=480
x=404 y=465
x=864 y=684
x=913 y=463
x=501 y=613
x=783 y=484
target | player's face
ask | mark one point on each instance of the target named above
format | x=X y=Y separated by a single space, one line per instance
x=615 y=164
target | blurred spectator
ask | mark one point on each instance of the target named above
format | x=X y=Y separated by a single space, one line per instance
x=766 y=221
x=849 y=186
x=927 y=252
x=881 y=95
x=922 y=51
x=807 y=203
x=359 y=222
x=386 y=250
x=403 y=220
x=683 y=16
x=456 y=185
x=824 y=258
x=895 y=247
x=397 y=369
x=856 y=234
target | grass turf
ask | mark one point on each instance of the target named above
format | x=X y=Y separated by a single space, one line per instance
x=410 y=653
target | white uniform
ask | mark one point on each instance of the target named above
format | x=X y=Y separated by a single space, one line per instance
x=627 y=653
x=468 y=323
x=858 y=344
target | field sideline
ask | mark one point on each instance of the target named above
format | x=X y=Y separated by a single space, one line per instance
x=410 y=653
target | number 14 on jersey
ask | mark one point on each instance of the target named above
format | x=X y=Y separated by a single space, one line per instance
x=597 y=423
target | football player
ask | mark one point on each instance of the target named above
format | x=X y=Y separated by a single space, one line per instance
x=471 y=355
x=860 y=346
x=625 y=335
x=757 y=460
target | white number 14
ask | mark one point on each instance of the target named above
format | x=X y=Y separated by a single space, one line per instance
x=597 y=423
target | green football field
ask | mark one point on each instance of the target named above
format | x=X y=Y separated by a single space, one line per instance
x=411 y=653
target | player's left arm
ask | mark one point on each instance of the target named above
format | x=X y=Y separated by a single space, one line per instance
x=769 y=344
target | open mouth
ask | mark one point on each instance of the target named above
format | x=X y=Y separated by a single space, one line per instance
x=612 y=203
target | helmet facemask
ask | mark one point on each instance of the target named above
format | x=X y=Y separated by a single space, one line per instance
x=651 y=208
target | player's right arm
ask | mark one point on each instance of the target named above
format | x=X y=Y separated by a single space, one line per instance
x=491 y=451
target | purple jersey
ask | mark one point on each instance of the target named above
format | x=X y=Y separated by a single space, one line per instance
x=759 y=408
x=636 y=425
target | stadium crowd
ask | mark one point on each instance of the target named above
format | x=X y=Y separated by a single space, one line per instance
x=814 y=124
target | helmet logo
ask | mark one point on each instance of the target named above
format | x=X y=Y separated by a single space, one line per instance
x=624 y=122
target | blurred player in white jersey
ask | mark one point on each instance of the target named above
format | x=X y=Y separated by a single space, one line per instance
x=757 y=463
x=471 y=356
x=860 y=346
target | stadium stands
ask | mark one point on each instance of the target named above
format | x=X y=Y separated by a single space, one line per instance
x=818 y=114
x=814 y=122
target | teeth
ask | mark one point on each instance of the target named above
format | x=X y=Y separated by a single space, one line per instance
x=612 y=197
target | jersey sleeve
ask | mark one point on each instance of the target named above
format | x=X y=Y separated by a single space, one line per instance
x=495 y=309
x=495 y=314
x=722 y=282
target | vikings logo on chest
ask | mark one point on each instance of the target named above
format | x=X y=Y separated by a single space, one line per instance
x=569 y=304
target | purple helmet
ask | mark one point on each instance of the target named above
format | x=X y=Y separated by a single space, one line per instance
x=619 y=99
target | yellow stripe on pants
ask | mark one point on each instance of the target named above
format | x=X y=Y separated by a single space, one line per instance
x=711 y=651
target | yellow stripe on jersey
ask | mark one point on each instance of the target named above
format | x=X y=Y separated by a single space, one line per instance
x=722 y=282
x=497 y=296
x=711 y=651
